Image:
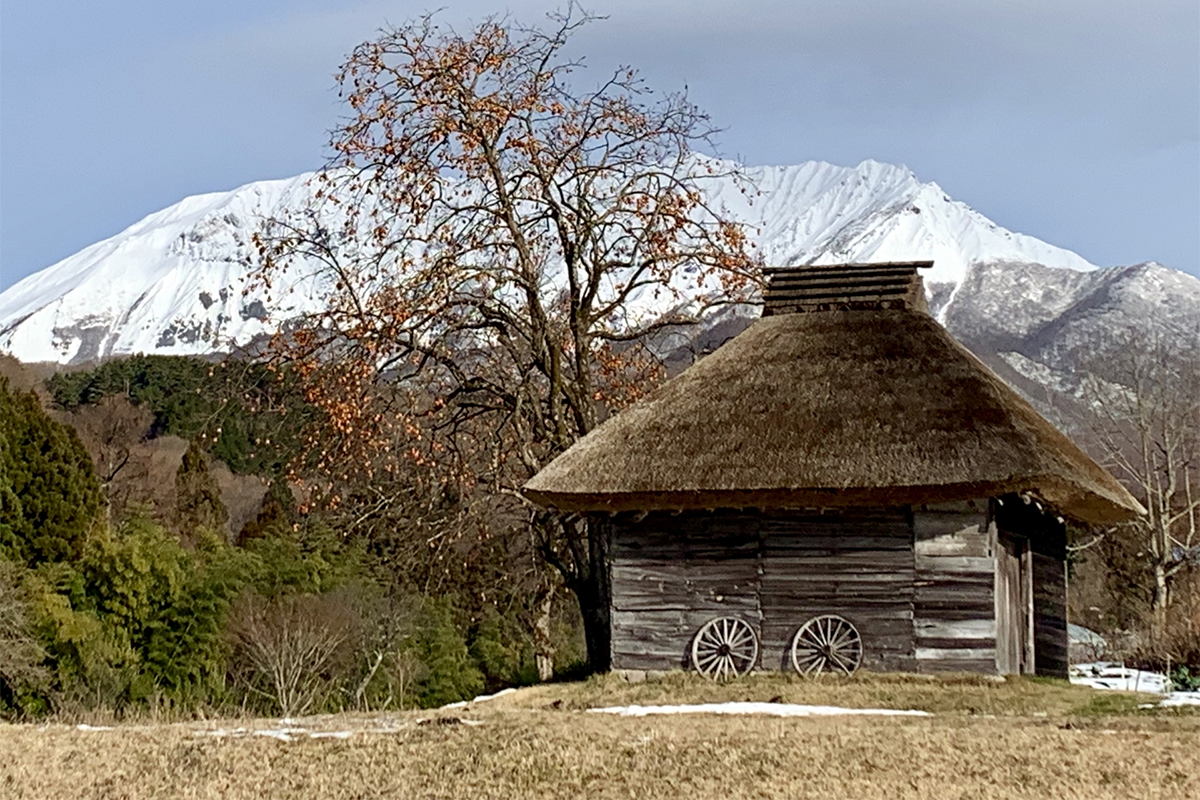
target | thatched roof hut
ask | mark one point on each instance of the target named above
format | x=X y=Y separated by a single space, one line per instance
x=841 y=484
x=859 y=402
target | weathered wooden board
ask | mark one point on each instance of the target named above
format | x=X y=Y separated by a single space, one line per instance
x=955 y=629
x=985 y=665
x=953 y=599
x=1012 y=615
x=957 y=654
x=937 y=565
x=1050 y=616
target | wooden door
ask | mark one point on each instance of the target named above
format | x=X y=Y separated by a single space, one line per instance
x=1014 y=600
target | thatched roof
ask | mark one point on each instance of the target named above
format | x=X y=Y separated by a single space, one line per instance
x=830 y=408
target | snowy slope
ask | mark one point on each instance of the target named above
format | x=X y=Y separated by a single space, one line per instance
x=173 y=283
x=818 y=213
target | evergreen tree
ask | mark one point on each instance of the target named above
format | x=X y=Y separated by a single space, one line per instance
x=197 y=496
x=49 y=493
x=449 y=673
x=277 y=510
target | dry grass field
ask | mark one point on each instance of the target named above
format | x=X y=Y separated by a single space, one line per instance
x=1017 y=739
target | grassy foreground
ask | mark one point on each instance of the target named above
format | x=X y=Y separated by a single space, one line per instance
x=1016 y=739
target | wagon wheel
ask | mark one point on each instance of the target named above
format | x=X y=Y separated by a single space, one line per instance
x=827 y=643
x=724 y=648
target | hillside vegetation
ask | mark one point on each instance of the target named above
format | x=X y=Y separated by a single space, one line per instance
x=160 y=549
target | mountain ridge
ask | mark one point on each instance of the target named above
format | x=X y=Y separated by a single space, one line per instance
x=173 y=282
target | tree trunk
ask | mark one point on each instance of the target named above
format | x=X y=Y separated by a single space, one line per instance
x=1160 y=601
x=542 y=641
x=595 y=595
x=596 y=629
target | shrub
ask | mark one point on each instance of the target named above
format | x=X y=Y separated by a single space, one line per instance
x=502 y=650
x=291 y=651
x=137 y=618
x=92 y=664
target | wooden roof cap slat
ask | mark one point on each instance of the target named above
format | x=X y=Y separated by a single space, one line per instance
x=779 y=285
x=876 y=265
x=835 y=276
x=845 y=291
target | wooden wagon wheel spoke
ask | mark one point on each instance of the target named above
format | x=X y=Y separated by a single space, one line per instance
x=745 y=637
x=725 y=647
x=842 y=636
x=742 y=650
x=844 y=666
x=808 y=659
x=808 y=665
x=826 y=643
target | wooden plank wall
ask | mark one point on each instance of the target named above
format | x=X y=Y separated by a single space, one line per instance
x=919 y=585
x=954 y=599
x=1048 y=544
x=856 y=564
x=671 y=573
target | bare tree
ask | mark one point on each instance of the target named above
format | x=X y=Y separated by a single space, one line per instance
x=492 y=238
x=387 y=669
x=21 y=655
x=288 y=645
x=114 y=432
x=1145 y=396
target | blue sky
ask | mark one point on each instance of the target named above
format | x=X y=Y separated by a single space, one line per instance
x=1076 y=121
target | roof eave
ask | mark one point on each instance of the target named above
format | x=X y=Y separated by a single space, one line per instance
x=1069 y=500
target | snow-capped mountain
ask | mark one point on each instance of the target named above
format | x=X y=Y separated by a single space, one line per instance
x=169 y=284
x=175 y=282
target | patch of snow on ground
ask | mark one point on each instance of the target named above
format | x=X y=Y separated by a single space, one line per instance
x=1181 y=699
x=288 y=731
x=1118 y=677
x=772 y=709
x=480 y=699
